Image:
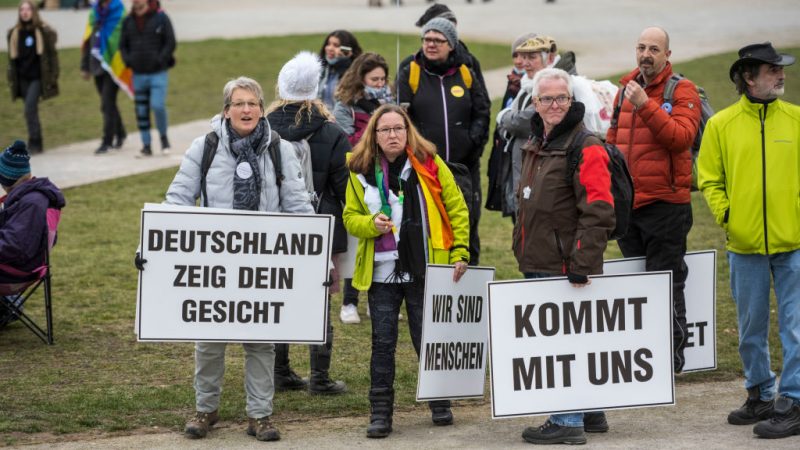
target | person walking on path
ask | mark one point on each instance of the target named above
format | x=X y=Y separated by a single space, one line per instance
x=338 y=51
x=32 y=67
x=101 y=59
x=656 y=141
x=394 y=173
x=299 y=115
x=749 y=173
x=147 y=44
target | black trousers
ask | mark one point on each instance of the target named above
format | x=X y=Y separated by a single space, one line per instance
x=112 y=121
x=658 y=232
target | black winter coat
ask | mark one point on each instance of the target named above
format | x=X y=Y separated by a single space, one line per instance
x=446 y=112
x=151 y=49
x=48 y=62
x=329 y=145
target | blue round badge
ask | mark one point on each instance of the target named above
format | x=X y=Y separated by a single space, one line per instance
x=667 y=107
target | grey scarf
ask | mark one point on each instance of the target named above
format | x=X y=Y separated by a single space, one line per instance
x=247 y=178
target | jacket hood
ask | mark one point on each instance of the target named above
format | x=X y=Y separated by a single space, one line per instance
x=282 y=121
x=41 y=185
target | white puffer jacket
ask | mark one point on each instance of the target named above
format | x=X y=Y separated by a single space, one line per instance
x=185 y=188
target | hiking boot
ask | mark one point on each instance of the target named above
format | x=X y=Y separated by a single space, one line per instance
x=550 y=433
x=326 y=386
x=199 y=425
x=595 y=422
x=753 y=410
x=441 y=415
x=262 y=429
x=785 y=421
x=290 y=382
x=349 y=314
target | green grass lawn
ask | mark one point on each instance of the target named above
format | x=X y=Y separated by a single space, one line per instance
x=195 y=85
x=97 y=377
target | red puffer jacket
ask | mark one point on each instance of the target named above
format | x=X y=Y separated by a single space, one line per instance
x=656 y=142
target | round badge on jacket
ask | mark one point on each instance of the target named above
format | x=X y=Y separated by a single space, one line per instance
x=457 y=91
x=244 y=170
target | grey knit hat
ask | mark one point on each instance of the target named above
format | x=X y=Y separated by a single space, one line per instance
x=521 y=40
x=443 y=26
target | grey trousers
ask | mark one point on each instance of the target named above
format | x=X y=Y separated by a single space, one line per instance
x=259 y=360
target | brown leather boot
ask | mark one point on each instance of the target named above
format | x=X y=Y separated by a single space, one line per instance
x=263 y=429
x=197 y=427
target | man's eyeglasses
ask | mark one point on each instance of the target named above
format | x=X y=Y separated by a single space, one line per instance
x=240 y=105
x=387 y=131
x=561 y=100
x=434 y=41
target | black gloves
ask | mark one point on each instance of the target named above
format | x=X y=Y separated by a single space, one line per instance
x=575 y=278
x=138 y=261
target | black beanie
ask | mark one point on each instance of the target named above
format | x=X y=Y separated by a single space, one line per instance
x=436 y=10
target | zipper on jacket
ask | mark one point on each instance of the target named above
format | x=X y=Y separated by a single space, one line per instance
x=446 y=122
x=764 y=175
x=560 y=252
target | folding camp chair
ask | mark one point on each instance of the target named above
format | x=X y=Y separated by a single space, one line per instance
x=25 y=284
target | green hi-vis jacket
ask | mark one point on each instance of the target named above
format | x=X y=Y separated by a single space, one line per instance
x=749 y=172
x=359 y=222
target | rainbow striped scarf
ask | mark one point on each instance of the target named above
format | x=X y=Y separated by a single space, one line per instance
x=441 y=232
x=107 y=24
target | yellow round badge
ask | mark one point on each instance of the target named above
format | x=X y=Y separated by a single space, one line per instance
x=457 y=91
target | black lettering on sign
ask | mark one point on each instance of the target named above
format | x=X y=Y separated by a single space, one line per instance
x=155 y=240
x=266 y=277
x=225 y=311
x=529 y=376
x=442 y=308
x=199 y=276
x=701 y=334
x=522 y=321
x=618 y=366
x=470 y=309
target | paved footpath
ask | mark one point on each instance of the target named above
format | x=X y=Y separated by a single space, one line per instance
x=698 y=421
x=603 y=33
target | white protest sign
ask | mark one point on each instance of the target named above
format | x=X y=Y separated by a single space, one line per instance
x=555 y=348
x=701 y=301
x=452 y=361
x=233 y=276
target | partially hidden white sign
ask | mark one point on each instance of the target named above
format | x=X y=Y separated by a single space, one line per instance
x=233 y=276
x=701 y=300
x=454 y=346
x=556 y=348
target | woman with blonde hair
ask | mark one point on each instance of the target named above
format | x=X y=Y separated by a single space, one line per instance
x=299 y=115
x=405 y=208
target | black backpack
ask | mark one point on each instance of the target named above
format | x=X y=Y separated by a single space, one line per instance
x=210 y=151
x=463 y=179
x=621 y=181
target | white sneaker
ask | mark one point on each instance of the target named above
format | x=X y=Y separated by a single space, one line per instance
x=349 y=314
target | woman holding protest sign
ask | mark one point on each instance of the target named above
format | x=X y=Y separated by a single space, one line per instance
x=407 y=211
x=232 y=167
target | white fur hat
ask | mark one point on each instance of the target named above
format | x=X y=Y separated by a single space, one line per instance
x=299 y=78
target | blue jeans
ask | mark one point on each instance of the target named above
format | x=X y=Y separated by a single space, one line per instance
x=150 y=92
x=750 y=282
x=564 y=420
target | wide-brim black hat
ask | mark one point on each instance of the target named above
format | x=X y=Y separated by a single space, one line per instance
x=763 y=53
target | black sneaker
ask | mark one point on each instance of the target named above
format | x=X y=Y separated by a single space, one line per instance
x=441 y=415
x=326 y=387
x=119 y=141
x=595 y=422
x=785 y=421
x=102 y=150
x=753 y=410
x=550 y=433
x=164 y=145
x=145 y=152
x=290 y=382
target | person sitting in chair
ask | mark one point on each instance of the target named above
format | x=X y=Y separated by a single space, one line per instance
x=23 y=217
